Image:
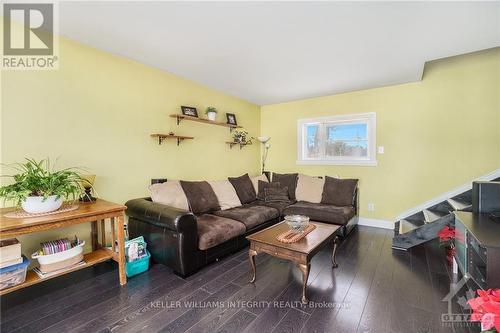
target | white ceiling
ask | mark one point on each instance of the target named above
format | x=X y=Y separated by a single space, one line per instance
x=270 y=52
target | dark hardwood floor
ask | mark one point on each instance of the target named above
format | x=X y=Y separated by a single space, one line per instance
x=374 y=289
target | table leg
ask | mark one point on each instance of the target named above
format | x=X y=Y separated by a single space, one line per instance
x=93 y=235
x=121 y=249
x=113 y=234
x=103 y=233
x=305 y=275
x=251 y=256
x=334 y=253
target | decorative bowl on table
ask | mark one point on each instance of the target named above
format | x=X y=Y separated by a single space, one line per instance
x=297 y=223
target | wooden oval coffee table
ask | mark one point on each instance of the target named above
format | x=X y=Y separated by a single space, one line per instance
x=300 y=252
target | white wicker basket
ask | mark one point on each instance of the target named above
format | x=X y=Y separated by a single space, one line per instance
x=60 y=260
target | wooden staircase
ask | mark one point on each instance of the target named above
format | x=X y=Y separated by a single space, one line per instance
x=424 y=225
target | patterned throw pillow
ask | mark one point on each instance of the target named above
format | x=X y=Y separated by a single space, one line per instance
x=279 y=195
x=289 y=180
x=261 y=195
x=256 y=180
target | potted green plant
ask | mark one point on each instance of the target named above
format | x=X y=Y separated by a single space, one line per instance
x=240 y=136
x=211 y=113
x=38 y=188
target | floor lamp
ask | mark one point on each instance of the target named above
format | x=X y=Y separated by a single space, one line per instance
x=264 y=140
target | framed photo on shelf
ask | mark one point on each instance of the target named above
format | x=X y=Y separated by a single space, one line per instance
x=189 y=111
x=231 y=119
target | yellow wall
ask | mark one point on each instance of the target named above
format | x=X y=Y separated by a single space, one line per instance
x=438 y=133
x=98 y=111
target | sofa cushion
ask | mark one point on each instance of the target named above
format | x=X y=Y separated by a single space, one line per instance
x=214 y=230
x=261 y=195
x=309 y=188
x=339 y=192
x=244 y=188
x=169 y=193
x=255 y=182
x=201 y=196
x=225 y=193
x=321 y=212
x=289 y=180
x=279 y=206
x=279 y=194
x=250 y=215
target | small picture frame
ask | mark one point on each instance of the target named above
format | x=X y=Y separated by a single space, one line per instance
x=231 y=119
x=189 y=111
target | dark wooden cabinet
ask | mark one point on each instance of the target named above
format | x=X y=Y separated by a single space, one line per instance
x=478 y=251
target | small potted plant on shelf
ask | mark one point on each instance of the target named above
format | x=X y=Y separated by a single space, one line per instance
x=211 y=113
x=240 y=137
x=38 y=188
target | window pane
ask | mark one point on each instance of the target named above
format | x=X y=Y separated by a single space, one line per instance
x=347 y=132
x=354 y=148
x=312 y=141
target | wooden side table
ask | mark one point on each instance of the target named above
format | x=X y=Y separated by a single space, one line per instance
x=98 y=211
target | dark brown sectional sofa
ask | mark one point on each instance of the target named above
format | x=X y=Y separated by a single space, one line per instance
x=186 y=242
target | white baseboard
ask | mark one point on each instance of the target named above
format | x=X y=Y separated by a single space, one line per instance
x=442 y=197
x=376 y=223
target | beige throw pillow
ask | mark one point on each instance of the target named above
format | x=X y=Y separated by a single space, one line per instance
x=169 y=193
x=309 y=188
x=255 y=182
x=225 y=193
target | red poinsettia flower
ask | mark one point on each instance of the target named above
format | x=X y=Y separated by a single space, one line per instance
x=486 y=308
x=446 y=233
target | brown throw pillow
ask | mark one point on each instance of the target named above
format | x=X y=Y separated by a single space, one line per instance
x=339 y=192
x=201 y=197
x=289 y=180
x=262 y=187
x=244 y=188
x=279 y=195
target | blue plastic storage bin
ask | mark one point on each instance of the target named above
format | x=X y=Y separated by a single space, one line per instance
x=139 y=266
x=14 y=275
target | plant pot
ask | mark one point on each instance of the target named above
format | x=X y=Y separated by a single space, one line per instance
x=211 y=115
x=35 y=205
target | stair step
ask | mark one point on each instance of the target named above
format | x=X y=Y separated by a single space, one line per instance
x=420 y=234
x=407 y=226
x=396 y=229
x=443 y=207
x=464 y=197
x=431 y=216
x=458 y=204
x=417 y=217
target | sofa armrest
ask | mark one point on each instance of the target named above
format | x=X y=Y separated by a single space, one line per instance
x=355 y=201
x=160 y=215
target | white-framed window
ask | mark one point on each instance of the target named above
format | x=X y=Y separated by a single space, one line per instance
x=337 y=140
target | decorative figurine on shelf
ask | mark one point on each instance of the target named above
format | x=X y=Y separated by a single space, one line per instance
x=88 y=184
x=171 y=133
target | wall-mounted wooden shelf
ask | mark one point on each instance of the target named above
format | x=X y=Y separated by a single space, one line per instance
x=179 y=138
x=231 y=144
x=180 y=117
